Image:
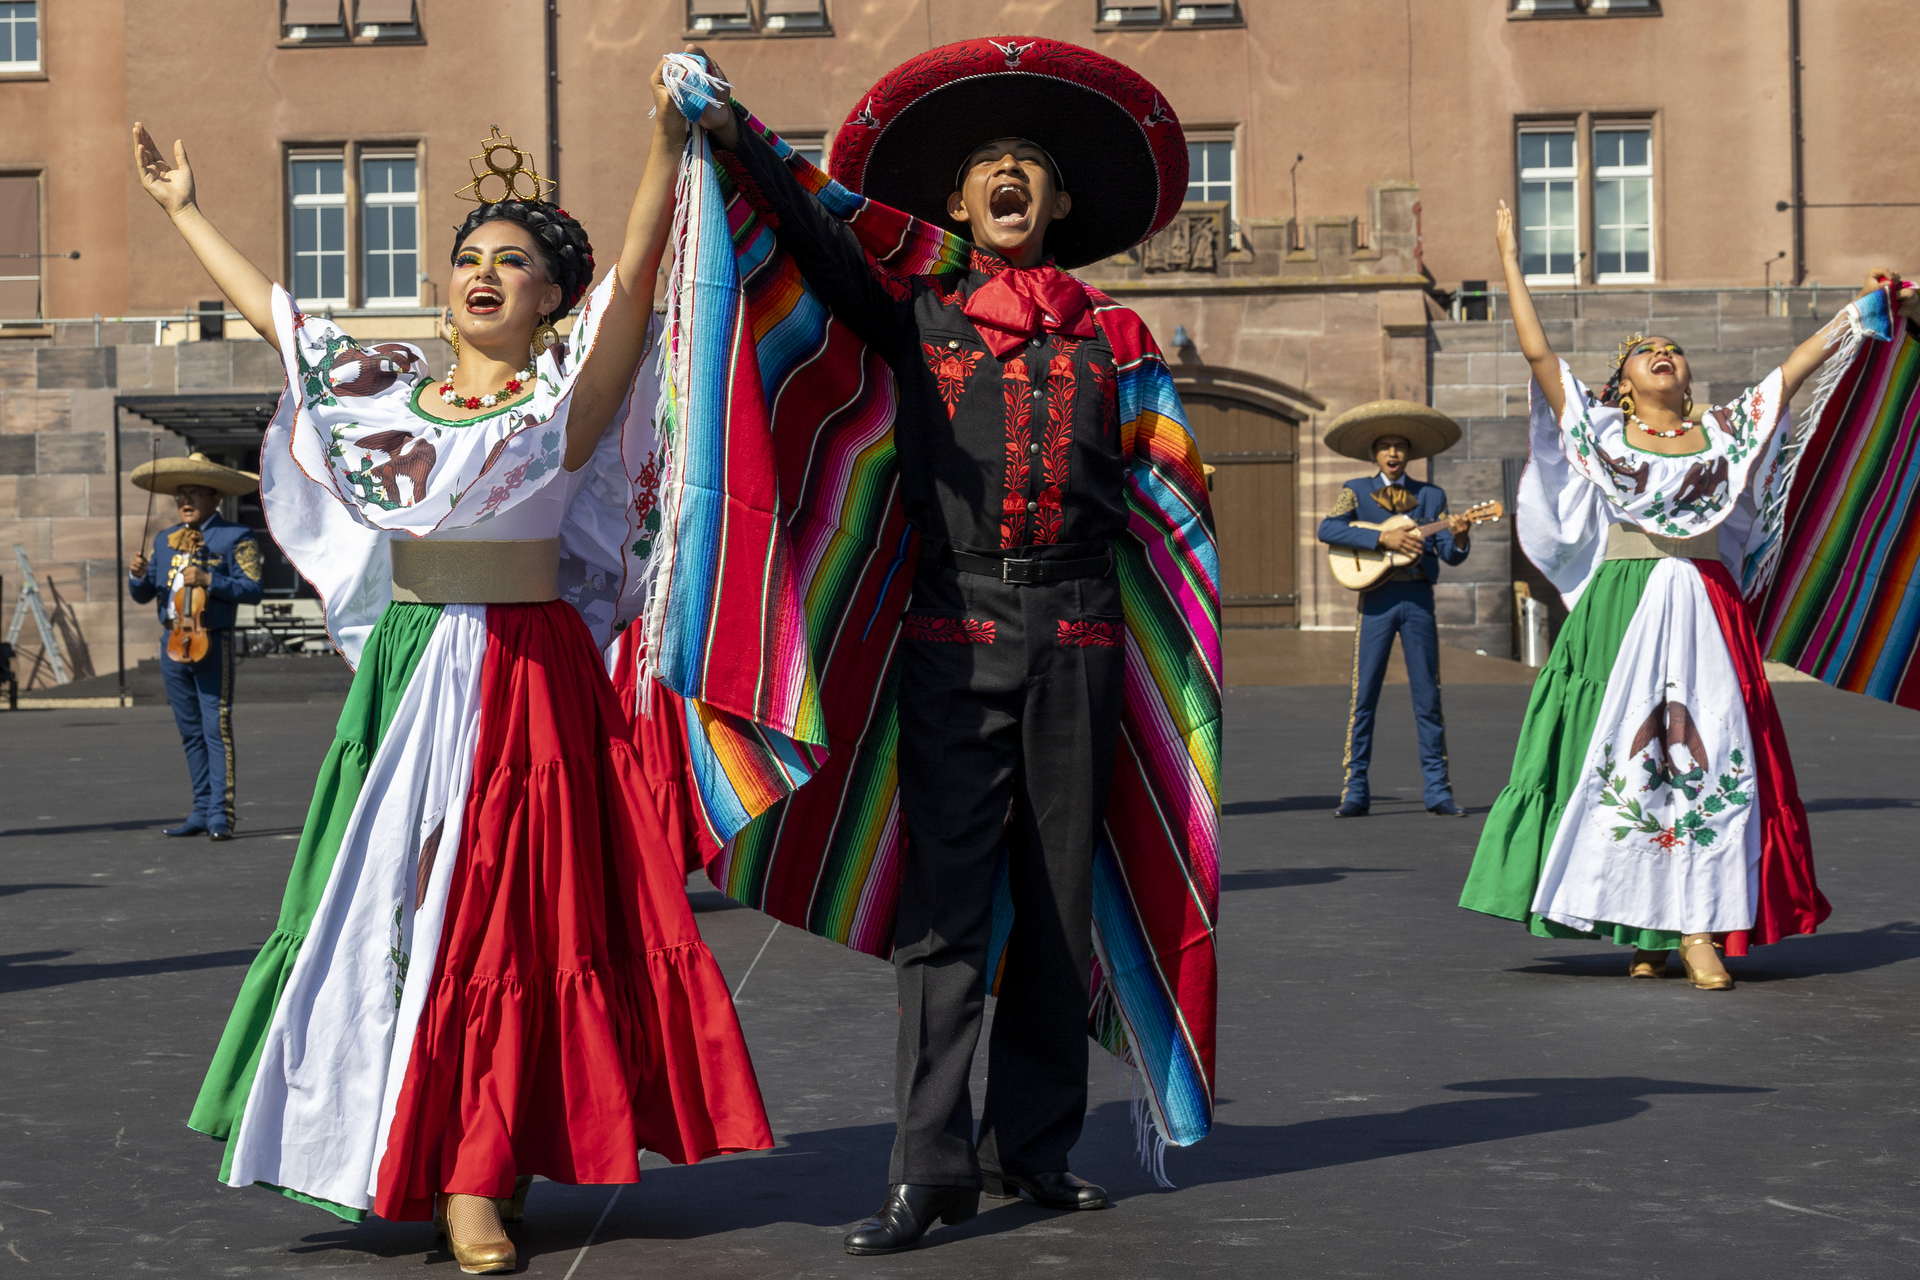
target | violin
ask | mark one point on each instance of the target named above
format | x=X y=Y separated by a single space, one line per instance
x=186 y=631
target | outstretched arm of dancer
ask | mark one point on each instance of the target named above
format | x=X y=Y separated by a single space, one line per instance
x=621 y=340
x=1526 y=321
x=171 y=186
x=1811 y=354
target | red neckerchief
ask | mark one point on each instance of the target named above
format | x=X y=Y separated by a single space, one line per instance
x=1017 y=302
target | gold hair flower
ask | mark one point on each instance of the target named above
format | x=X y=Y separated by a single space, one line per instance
x=503 y=171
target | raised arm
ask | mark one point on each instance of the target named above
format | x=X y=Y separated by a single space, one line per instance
x=1811 y=354
x=1526 y=322
x=621 y=340
x=171 y=186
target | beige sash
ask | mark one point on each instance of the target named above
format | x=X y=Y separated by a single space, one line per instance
x=449 y=571
x=1628 y=542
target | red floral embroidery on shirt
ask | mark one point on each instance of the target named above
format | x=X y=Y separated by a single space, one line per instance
x=1109 y=411
x=927 y=626
x=1018 y=387
x=1057 y=453
x=952 y=366
x=1087 y=635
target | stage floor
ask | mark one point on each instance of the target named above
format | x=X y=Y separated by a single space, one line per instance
x=1405 y=1089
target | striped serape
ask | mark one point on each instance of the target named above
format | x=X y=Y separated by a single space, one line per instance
x=1843 y=607
x=827 y=858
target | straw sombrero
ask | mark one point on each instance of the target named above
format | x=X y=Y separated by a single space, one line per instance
x=164 y=475
x=1427 y=430
x=1116 y=142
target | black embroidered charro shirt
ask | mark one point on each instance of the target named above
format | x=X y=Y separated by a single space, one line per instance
x=995 y=454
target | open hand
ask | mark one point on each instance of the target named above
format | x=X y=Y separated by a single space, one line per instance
x=1503 y=234
x=171 y=185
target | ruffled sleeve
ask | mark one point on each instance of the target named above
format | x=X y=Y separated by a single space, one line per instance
x=1561 y=517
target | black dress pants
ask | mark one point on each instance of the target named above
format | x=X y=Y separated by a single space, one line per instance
x=1009 y=705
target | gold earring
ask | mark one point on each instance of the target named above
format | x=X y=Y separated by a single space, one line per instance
x=1686 y=406
x=545 y=336
x=456 y=343
x=1626 y=403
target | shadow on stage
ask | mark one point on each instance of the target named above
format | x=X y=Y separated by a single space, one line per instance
x=23 y=970
x=8 y=890
x=1295 y=877
x=830 y=1179
x=1235 y=1153
x=137 y=824
x=1806 y=956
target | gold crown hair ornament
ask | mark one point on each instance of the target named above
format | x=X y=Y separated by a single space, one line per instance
x=1626 y=349
x=503 y=171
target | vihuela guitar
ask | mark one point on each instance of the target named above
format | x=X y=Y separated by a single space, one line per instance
x=1360 y=570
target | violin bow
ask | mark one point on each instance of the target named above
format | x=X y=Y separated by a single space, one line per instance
x=146 y=523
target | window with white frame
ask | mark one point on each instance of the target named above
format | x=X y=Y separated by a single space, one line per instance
x=1622 y=204
x=811 y=147
x=317 y=217
x=1549 y=206
x=1210 y=172
x=19 y=37
x=390 y=229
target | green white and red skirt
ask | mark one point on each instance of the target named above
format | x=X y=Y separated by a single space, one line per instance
x=485 y=964
x=1652 y=793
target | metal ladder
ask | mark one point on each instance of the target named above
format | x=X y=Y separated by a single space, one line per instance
x=30 y=602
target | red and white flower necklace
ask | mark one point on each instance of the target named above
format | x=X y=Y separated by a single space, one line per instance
x=515 y=385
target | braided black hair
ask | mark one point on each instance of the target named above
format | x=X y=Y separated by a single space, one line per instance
x=562 y=243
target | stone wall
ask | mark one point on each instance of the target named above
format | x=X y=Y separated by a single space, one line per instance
x=1732 y=339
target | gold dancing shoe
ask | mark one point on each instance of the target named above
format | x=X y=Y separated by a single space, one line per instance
x=514 y=1208
x=1708 y=974
x=1648 y=964
x=476 y=1258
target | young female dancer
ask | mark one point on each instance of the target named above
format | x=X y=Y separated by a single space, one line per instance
x=485 y=966
x=1652 y=800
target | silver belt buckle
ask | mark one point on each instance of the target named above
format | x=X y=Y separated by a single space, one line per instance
x=1007 y=572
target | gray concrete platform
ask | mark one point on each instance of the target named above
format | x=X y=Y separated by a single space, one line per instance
x=1406 y=1089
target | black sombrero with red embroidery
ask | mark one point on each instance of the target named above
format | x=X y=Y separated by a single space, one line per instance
x=1117 y=143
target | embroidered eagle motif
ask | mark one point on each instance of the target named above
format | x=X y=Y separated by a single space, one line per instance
x=1013 y=51
x=1159 y=114
x=865 y=115
x=407 y=455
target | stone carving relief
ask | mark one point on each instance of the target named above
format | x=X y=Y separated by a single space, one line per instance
x=1193 y=241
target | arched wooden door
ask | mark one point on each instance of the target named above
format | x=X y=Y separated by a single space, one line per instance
x=1254 y=453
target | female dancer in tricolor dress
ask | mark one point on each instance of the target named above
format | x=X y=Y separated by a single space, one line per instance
x=485 y=966
x=1652 y=801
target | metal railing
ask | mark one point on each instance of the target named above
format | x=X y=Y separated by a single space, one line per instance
x=190 y=319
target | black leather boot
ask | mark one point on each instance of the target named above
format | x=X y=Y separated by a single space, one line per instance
x=907 y=1214
x=1049 y=1190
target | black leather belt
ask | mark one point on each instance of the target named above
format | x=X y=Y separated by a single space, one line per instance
x=1026 y=572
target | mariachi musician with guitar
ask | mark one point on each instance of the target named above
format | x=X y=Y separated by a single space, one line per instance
x=1387 y=535
x=200 y=570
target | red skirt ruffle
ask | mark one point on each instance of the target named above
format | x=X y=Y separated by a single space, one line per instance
x=1790 y=900
x=576 y=1016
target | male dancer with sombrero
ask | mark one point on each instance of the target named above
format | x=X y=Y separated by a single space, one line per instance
x=1390 y=434
x=1013 y=467
x=228 y=565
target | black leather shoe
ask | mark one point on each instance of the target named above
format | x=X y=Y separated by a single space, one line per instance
x=1352 y=809
x=191 y=827
x=220 y=833
x=1446 y=809
x=907 y=1214
x=1049 y=1190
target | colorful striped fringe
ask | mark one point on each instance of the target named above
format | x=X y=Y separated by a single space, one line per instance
x=722 y=565
x=1844 y=607
x=827 y=859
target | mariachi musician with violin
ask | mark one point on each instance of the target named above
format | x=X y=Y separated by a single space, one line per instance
x=1387 y=536
x=200 y=570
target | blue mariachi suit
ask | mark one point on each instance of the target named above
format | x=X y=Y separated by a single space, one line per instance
x=1402 y=604
x=201 y=693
